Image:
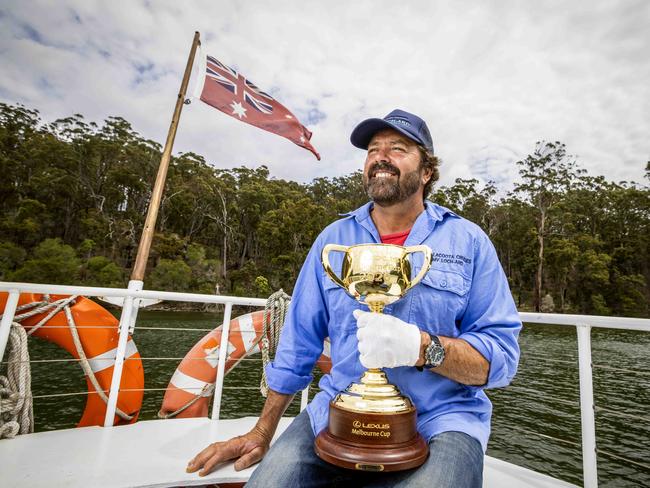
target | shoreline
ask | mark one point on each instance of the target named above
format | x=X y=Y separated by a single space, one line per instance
x=166 y=306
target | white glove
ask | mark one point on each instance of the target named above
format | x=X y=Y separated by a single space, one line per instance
x=386 y=341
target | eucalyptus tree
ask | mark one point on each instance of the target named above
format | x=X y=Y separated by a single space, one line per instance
x=546 y=175
x=514 y=237
x=466 y=198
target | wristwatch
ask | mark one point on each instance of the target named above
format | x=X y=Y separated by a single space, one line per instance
x=434 y=354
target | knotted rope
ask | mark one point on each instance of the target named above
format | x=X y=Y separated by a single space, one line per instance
x=275 y=312
x=16 y=413
x=16 y=409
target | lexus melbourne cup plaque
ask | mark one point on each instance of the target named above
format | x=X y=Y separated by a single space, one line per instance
x=372 y=426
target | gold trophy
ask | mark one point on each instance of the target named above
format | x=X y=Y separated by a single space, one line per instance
x=372 y=426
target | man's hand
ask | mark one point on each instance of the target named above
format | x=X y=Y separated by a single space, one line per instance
x=248 y=448
x=386 y=341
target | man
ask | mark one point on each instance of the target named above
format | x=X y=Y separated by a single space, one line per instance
x=453 y=335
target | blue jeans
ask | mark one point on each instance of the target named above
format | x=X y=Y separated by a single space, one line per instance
x=455 y=460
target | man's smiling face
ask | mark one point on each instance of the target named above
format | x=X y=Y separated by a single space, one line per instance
x=392 y=172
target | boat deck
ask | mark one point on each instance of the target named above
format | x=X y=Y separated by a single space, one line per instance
x=154 y=453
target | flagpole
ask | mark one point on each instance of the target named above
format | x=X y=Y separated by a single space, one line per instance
x=152 y=214
x=131 y=305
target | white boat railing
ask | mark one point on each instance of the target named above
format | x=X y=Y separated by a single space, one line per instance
x=131 y=305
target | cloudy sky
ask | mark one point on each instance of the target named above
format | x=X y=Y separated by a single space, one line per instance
x=490 y=77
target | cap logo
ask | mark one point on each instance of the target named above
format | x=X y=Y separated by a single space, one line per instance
x=396 y=120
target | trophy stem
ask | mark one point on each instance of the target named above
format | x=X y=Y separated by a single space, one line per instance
x=373 y=376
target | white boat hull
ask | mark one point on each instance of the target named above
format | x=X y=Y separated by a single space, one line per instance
x=154 y=453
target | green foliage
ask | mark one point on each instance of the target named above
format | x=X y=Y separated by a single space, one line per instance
x=74 y=196
x=546 y=176
x=205 y=272
x=101 y=271
x=629 y=294
x=51 y=262
x=247 y=280
x=262 y=287
x=167 y=246
x=598 y=306
x=170 y=275
x=11 y=257
x=86 y=248
x=464 y=195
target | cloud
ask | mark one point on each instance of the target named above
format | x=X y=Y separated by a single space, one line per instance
x=490 y=78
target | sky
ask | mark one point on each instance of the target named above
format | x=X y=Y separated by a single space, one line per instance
x=490 y=77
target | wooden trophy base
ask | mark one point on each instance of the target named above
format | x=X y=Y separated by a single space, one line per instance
x=371 y=441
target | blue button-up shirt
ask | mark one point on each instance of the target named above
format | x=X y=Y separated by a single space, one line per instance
x=465 y=295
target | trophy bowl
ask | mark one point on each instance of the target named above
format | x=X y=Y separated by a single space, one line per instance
x=376 y=274
x=372 y=426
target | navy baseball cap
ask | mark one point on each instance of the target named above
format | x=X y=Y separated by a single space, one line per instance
x=403 y=122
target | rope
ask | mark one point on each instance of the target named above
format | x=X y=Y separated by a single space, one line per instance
x=206 y=391
x=16 y=413
x=273 y=332
x=85 y=365
x=16 y=400
x=274 y=315
x=42 y=307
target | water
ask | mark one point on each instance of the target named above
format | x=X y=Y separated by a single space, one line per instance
x=536 y=421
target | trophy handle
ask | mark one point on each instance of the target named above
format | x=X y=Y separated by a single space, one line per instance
x=326 y=262
x=426 y=264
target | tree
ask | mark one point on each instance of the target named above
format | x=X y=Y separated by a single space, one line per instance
x=205 y=272
x=546 y=175
x=594 y=272
x=223 y=193
x=51 y=262
x=11 y=257
x=561 y=259
x=169 y=274
x=287 y=234
x=101 y=271
x=514 y=236
x=466 y=199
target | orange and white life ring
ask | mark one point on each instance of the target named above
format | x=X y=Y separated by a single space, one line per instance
x=191 y=385
x=97 y=331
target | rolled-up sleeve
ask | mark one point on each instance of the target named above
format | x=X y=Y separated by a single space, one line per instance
x=491 y=323
x=304 y=330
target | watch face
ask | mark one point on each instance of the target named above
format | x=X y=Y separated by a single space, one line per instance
x=435 y=353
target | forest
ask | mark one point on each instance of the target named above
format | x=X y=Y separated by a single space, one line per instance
x=75 y=194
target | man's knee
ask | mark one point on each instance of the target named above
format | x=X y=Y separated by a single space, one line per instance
x=462 y=458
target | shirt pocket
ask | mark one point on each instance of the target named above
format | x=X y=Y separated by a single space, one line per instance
x=342 y=327
x=440 y=302
x=340 y=306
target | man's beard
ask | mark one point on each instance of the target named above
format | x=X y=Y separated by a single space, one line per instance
x=388 y=191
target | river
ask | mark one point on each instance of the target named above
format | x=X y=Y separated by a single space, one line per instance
x=536 y=421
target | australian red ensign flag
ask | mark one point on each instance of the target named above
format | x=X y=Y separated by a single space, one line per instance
x=227 y=90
